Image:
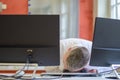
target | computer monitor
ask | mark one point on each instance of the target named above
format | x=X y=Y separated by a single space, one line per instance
x=106 y=42
x=36 y=36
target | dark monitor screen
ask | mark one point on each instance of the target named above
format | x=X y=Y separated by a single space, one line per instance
x=37 y=35
x=106 y=42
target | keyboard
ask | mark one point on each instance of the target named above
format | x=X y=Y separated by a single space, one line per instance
x=70 y=74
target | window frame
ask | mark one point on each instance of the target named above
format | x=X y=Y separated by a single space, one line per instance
x=115 y=4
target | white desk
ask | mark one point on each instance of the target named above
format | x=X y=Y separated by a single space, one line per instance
x=62 y=78
x=80 y=78
x=84 y=78
x=65 y=78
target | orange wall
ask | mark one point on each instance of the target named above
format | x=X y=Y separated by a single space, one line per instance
x=15 y=7
x=86 y=19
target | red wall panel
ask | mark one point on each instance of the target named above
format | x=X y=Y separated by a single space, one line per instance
x=86 y=19
x=15 y=7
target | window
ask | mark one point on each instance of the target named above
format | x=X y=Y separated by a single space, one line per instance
x=115 y=9
x=67 y=9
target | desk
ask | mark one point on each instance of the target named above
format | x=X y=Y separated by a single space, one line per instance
x=47 y=76
x=79 y=78
x=59 y=78
x=38 y=77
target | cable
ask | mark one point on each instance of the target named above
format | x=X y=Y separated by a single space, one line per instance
x=22 y=70
x=115 y=72
x=18 y=73
x=108 y=71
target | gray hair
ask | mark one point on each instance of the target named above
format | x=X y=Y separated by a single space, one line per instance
x=77 y=58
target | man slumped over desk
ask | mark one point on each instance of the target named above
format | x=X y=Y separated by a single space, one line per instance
x=74 y=56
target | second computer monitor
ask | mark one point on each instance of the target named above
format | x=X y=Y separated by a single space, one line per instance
x=106 y=42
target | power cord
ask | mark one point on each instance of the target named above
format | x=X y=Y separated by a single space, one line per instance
x=20 y=73
x=109 y=72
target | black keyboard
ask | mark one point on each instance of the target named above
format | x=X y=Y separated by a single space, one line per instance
x=71 y=74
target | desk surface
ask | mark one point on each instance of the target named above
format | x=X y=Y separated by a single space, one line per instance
x=61 y=78
x=66 y=78
x=79 y=78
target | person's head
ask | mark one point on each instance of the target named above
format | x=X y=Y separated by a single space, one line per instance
x=76 y=58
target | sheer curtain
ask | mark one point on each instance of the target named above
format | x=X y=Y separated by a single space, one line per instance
x=115 y=9
x=67 y=9
x=102 y=8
